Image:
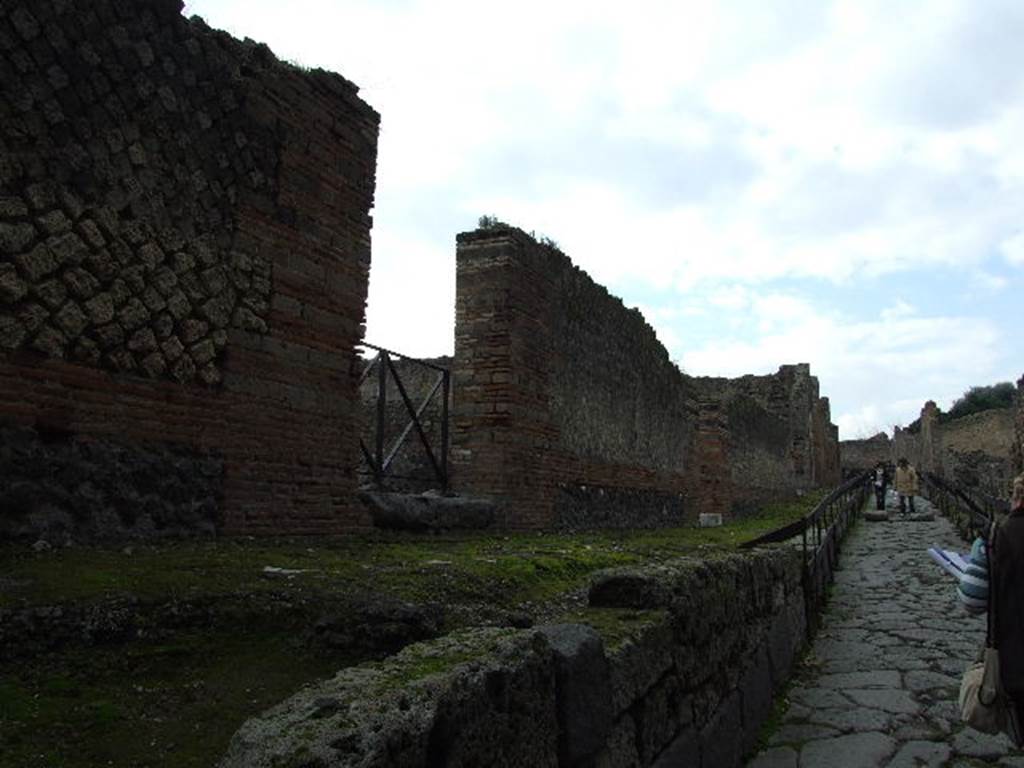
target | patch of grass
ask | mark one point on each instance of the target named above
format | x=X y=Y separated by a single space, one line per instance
x=176 y=701
x=504 y=569
x=142 y=706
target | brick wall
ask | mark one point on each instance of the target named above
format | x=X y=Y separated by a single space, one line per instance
x=778 y=435
x=569 y=410
x=858 y=455
x=566 y=406
x=184 y=234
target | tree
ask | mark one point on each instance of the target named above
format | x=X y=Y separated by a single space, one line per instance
x=978 y=399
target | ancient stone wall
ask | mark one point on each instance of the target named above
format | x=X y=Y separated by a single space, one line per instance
x=568 y=409
x=184 y=248
x=566 y=406
x=858 y=455
x=777 y=434
x=975 y=450
x=678 y=666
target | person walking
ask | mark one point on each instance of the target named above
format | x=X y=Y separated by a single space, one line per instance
x=907 y=484
x=881 y=481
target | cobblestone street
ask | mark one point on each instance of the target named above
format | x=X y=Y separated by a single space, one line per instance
x=881 y=681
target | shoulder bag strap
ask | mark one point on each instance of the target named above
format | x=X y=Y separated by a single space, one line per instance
x=990 y=626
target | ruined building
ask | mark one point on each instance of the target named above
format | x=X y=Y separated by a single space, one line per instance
x=184 y=253
x=184 y=249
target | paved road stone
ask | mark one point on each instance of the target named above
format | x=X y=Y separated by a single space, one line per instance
x=880 y=684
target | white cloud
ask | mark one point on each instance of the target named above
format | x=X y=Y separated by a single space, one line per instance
x=1012 y=249
x=874 y=371
x=724 y=156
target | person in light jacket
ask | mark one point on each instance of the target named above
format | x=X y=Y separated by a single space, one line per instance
x=906 y=484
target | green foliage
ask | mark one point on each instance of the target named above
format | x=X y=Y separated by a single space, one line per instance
x=490 y=222
x=978 y=399
x=974 y=400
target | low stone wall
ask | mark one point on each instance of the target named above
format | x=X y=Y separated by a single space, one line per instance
x=675 y=665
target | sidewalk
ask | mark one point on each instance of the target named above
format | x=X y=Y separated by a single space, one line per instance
x=881 y=681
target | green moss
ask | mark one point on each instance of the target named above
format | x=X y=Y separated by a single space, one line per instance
x=616 y=625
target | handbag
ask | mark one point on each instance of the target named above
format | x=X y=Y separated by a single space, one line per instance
x=984 y=704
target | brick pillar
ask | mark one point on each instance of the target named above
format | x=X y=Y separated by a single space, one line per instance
x=931 y=439
x=503 y=436
x=711 y=481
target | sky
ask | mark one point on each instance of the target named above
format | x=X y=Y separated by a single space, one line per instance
x=838 y=182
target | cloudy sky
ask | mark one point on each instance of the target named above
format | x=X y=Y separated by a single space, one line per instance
x=832 y=182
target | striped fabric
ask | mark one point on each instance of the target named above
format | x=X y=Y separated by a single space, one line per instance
x=973 y=587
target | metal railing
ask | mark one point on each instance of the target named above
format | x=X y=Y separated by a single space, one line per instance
x=379 y=460
x=821 y=533
x=970 y=511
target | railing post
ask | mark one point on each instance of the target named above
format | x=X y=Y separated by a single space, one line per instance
x=382 y=398
x=445 y=390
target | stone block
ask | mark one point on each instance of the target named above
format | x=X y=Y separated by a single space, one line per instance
x=620 y=750
x=710 y=519
x=36 y=264
x=143 y=340
x=491 y=703
x=191 y=330
x=756 y=694
x=12 y=208
x=12 y=287
x=133 y=314
x=49 y=341
x=178 y=305
x=12 y=332
x=217 y=310
x=67 y=248
x=51 y=293
x=719 y=745
x=71 y=320
x=54 y=222
x=583 y=688
x=85 y=350
x=153 y=365
x=90 y=233
x=640 y=661
x=184 y=369
x=81 y=283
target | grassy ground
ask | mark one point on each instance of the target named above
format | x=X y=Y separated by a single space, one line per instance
x=524 y=567
x=147 y=704
x=177 y=700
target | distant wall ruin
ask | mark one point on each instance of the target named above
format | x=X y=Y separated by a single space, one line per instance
x=184 y=249
x=569 y=410
x=975 y=450
x=778 y=435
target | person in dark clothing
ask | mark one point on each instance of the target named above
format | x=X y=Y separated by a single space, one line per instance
x=1006 y=565
x=881 y=481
